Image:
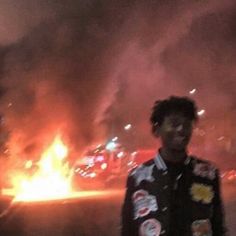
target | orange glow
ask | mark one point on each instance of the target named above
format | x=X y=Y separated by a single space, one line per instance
x=52 y=179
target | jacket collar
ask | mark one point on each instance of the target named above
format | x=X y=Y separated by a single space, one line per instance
x=159 y=162
x=161 y=165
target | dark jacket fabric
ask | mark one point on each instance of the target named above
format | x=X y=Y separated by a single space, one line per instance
x=188 y=205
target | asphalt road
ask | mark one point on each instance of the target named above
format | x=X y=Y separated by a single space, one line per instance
x=85 y=216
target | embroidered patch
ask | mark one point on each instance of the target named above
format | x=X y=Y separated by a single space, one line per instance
x=150 y=227
x=143 y=203
x=143 y=173
x=202 y=192
x=205 y=170
x=201 y=228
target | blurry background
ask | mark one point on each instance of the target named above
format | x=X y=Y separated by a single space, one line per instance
x=88 y=68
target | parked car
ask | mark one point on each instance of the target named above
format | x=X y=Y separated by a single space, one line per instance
x=101 y=167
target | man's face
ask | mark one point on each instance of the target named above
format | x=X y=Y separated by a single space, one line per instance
x=175 y=131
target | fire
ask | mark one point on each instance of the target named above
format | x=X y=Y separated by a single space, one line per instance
x=52 y=179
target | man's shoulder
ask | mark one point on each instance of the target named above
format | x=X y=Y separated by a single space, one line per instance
x=145 y=169
x=143 y=172
x=204 y=168
x=198 y=160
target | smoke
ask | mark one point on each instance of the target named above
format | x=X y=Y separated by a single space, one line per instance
x=177 y=47
x=87 y=68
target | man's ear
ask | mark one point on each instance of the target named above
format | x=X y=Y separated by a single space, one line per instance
x=156 y=131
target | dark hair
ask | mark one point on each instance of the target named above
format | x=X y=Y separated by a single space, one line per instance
x=173 y=104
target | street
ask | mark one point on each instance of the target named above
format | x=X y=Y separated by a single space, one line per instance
x=90 y=214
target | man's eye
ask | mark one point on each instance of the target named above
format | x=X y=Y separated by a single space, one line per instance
x=175 y=124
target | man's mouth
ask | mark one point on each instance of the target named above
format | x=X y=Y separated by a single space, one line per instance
x=180 y=139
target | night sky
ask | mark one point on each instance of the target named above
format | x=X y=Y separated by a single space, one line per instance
x=86 y=68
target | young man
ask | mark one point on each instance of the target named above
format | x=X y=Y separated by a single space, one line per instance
x=173 y=194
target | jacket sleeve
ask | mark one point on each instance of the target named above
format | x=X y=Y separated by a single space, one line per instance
x=218 y=216
x=127 y=224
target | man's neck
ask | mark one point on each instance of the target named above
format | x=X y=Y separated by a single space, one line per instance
x=174 y=156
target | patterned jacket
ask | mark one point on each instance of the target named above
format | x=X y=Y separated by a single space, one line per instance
x=146 y=208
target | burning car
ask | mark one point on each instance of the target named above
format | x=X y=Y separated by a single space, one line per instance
x=47 y=178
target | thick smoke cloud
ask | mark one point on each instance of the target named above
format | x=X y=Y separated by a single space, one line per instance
x=88 y=68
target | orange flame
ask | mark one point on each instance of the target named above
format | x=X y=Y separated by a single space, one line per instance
x=52 y=179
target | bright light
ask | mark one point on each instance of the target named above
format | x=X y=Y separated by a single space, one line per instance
x=111 y=146
x=201 y=112
x=134 y=153
x=120 y=154
x=128 y=127
x=221 y=138
x=60 y=150
x=99 y=158
x=92 y=175
x=193 y=91
x=103 y=166
x=28 y=164
x=115 y=139
x=129 y=163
